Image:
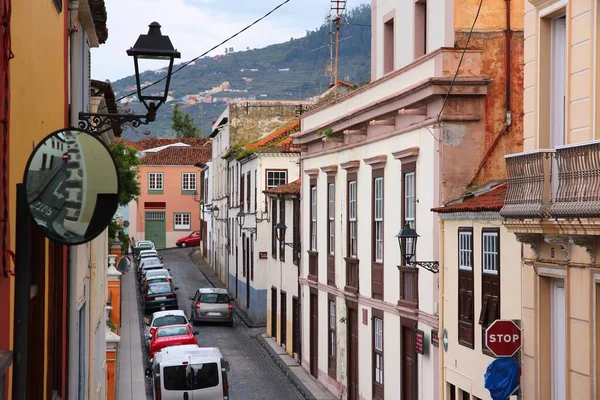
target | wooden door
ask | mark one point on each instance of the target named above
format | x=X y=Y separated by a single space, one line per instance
x=237 y=278
x=352 y=360
x=295 y=326
x=247 y=253
x=155 y=229
x=274 y=313
x=314 y=334
x=283 y=319
x=408 y=359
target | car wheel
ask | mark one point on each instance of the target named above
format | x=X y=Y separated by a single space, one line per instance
x=183 y=245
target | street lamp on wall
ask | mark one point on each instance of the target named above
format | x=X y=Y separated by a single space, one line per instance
x=240 y=219
x=153 y=46
x=407 y=240
x=280 y=230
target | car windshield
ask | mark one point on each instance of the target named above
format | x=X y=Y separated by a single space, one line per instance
x=158 y=288
x=151 y=261
x=214 y=298
x=172 y=331
x=156 y=279
x=156 y=272
x=191 y=377
x=170 y=320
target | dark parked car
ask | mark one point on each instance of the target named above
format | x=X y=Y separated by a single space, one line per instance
x=193 y=239
x=160 y=296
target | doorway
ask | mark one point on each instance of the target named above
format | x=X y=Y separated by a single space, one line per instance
x=274 y=312
x=247 y=253
x=283 y=319
x=558 y=339
x=295 y=326
x=408 y=360
x=314 y=333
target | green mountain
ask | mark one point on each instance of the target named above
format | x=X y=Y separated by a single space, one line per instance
x=296 y=69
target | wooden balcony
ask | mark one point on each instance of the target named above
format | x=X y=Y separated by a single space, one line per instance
x=352 y=275
x=529 y=187
x=313 y=266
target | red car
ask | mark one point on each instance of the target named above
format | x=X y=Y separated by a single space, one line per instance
x=193 y=239
x=171 y=335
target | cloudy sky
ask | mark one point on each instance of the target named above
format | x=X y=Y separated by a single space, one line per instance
x=195 y=26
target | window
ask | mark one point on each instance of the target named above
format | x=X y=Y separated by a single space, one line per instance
x=388 y=46
x=205 y=189
x=466 y=330
x=188 y=181
x=255 y=190
x=276 y=178
x=420 y=28
x=352 y=213
x=313 y=218
x=241 y=198
x=183 y=221
x=408 y=199
x=378 y=218
x=296 y=228
x=155 y=181
x=248 y=192
x=490 y=280
x=332 y=339
x=44 y=160
x=191 y=377
x=378 y=354
x=273 y=228
x=331 y=217
x=282 y=218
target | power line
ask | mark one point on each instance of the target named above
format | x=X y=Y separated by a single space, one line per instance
x=208 y=51
x=459 y=62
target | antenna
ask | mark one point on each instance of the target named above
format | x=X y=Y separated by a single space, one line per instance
x=337 y=8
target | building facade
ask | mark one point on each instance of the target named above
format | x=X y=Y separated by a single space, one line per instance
x=434 y=123
x=205 y=219
x=552 y=204
x=283 y=266
x=480 y=281
x=167 y=208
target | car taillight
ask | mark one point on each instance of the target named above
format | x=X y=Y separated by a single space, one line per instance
x=147 y=298
x=171 y=296
x=197 y=304
x=225 y=386
x=230 y=306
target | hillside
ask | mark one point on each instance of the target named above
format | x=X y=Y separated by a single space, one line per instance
x=292 y=70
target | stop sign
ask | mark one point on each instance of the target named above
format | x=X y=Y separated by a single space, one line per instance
x=503 y=338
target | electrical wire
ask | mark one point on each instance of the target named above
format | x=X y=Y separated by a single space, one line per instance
x=459 y=62
x=185 y=64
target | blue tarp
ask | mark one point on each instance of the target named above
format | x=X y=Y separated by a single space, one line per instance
x=502 y=378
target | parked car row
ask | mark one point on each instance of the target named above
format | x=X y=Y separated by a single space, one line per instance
x=179 y=368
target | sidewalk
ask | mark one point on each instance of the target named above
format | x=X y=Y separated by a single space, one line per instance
x=309 y=387
x=131 y=382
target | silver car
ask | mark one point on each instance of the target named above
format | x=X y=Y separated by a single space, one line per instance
x=211 y=305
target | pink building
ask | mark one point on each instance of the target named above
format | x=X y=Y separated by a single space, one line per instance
x=167 y=208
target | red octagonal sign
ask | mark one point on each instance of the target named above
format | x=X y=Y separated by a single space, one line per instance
x=503 y=338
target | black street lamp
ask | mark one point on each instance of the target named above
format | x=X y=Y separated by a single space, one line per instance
x=215 y=212
x=153 y=46
x=407 y=240
x=240 y=218
x=280 y=230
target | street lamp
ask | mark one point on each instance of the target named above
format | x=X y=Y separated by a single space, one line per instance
x=240 y=218
x=407 y=240
x=215 y=212
x=153 y=46
x=280 y=230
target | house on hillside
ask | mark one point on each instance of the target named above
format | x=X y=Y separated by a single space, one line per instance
x=167 y=208
x=376 y=162
x=262 y=165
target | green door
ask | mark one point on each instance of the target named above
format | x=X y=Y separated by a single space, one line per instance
x=156 y=228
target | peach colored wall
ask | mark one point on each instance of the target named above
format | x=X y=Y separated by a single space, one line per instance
x=172 y=196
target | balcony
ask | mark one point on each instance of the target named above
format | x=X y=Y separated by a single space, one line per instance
x=313 y=266
x=561 y=183
x=352 y=274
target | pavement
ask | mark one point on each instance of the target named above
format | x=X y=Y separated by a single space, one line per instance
x=306 y=384
x=131 y=382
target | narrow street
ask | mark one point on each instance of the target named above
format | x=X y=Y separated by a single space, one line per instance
x=253 y=373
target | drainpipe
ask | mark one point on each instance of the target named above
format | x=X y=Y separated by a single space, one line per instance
x=73 y=18
x=441 y=308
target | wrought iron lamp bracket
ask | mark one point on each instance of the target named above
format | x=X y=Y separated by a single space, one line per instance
x=98 y=123
x=262 y=217
x=431 y=266
x=294 y=246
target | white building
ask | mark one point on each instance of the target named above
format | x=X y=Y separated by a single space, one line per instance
x=262 y=165
x=205 y=204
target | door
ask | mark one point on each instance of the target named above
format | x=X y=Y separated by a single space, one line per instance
x=155 y=228
x=283 y=320
x=558 y=341
x=295 y=326
x=237 y=262
x=408 y=356
x=247 y=253
x=314 y=333
x=352 y=360
x=274 y=312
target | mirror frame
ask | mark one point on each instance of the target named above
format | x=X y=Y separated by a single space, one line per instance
x=47 y=232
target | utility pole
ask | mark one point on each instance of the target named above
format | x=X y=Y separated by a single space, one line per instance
x=338 y=6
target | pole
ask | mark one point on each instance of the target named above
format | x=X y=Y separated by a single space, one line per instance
x=21 y=301
x=337 y=48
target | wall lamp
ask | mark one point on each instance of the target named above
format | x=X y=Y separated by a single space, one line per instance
x=240 y=219
x=153 y=46
x=407 y=240
x=280 y=230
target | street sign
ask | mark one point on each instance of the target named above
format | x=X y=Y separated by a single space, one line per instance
x=503 y=338
x=419 y=339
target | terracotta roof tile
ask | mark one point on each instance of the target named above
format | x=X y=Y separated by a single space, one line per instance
x=492 y=200
x=178 y=156
x=98 y=10
x=275 y=137
x=290 y=188
x=128 y=143
x=151 y=143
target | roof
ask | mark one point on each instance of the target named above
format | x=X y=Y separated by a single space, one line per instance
x=98 y=10
x=276 y=137
x=213 y=290
x=105 y=90
x=128 y=143
x=175 y=355
x=160 y=314
x=292 y=188
x=150 y=143
x=276 y=142
x=492 y=200
x=178 y=156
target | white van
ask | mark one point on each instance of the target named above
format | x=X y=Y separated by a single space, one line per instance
x=189 y=372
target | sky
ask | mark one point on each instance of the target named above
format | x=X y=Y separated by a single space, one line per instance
x=194 y=26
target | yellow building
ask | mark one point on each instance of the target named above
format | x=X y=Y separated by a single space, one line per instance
x=553 y=200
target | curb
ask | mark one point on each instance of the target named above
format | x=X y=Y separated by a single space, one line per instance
x=236 y=308
x=262 y=341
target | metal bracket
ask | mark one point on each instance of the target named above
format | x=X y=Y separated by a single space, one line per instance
x=431 y=266
x=100 y=123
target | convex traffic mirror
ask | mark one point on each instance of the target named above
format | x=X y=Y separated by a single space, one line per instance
x=72 y=186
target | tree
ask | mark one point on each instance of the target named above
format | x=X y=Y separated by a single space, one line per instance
x=127 y=163
x=183 y=125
